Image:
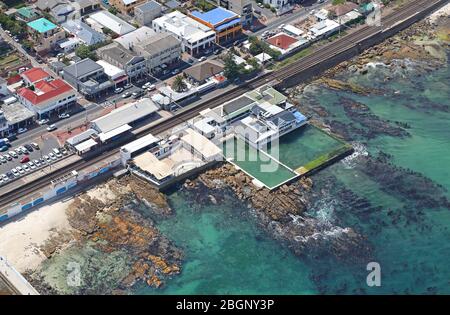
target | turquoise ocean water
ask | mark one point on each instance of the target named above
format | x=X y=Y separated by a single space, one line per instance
x=401 y=212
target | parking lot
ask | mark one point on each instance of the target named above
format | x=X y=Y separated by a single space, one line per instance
x=45 y=149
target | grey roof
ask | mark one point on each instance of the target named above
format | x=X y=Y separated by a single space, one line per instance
x=63 y=9
x=172 y=4
x=16 y=113
x=237 y=104
x=49 y=4
x=84 y=32
x=82 y=68
x=126 y=114
x=282 y=117
x=158 y=43
x=86 y=3
x=119 y=54
x=277 y=119
x=204 y=70
x=149 y=6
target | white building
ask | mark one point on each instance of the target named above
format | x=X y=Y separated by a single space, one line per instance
x=193 y=35
x=48 y=97
x=145 y=13
x=104 y=19
x=268 y=122
x=281 y=6
x=324 y=28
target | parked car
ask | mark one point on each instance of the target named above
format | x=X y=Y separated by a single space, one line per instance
x=63 y=116
x=8 y=157
x=118 y=90
x=3 y=148
x=22 y=130
x=47 y=158
x=51 y=127
x=5 y=177
x=151 y=87
x=37 y=163
x=20 y=170
x=42 y=161
x=15 y=172
x=31 y=165
x=64 y=151
x=3 y=159
x=10 y=175
x=127 y=86
x=13 y=154
x=29 y=147
x=26 y=168
x=52 y=156
x=126 y=94
x=202 y=59
x=175 y=71
x=18 y=151
x=35 y=145
x=25 y=159
x=137 y=94
x=42 y=122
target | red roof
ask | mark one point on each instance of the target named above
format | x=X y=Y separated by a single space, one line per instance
x=48 y=90
x=35 y=74
x=282 y=40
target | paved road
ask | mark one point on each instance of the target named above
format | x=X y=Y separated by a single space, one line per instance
x=19 y=48
x=302 y=13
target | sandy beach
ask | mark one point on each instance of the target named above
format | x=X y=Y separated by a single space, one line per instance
x=22 y=239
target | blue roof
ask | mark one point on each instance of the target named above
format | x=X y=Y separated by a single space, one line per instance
x=228 y=24
x=41 y=25
x=215 y=16
x=299 y=117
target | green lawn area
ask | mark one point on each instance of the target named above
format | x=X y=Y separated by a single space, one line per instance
x=9 y=59
x=303 y=53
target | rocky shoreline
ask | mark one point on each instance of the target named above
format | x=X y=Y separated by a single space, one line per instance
x=110 y=224
x=283 y=213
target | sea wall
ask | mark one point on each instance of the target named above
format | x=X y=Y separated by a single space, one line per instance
x=356 y=49
x=84 y=177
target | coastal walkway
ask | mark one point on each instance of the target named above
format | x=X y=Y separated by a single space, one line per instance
x=14 y=280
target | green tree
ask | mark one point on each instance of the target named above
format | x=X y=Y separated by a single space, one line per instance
x=113 y=10
x=84 y=51
x=231 y=69
x=178 y=84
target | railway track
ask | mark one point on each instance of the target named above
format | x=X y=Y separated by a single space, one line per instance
x=319 y=55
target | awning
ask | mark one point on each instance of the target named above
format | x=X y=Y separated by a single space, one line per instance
x=110 y=134
x=86 y=145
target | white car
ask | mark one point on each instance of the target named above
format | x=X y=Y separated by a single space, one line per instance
x=202 y=58
x=15 y=172
x=151 y=87
x=31 y=165
x=26 y=168
x=22 y=130
x=51 y=127
x=43 y=122
x=63 y=116
x=52 y=156
x=13 y=154
x=118 y=90
x=20 y=170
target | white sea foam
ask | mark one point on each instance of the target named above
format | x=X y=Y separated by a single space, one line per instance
x=359 y=151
